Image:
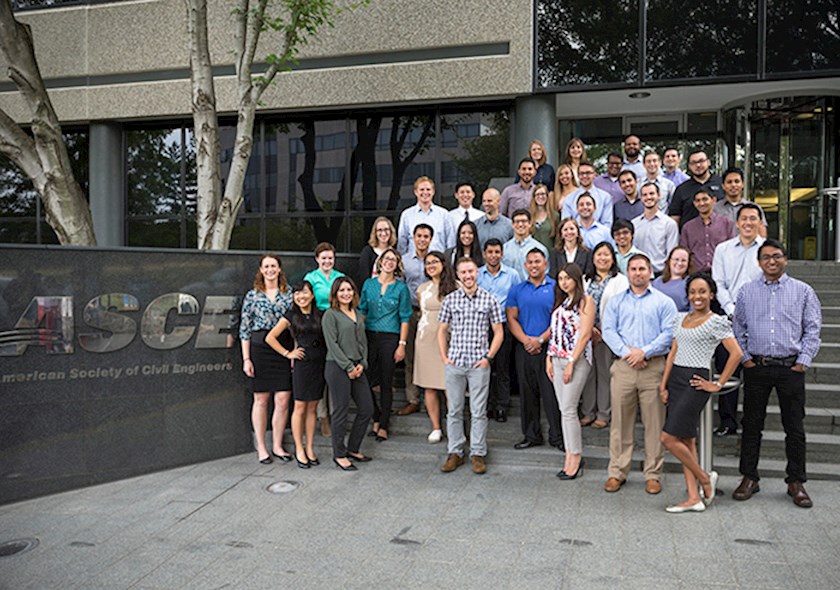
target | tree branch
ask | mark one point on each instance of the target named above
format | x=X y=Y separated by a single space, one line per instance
x=16 y=145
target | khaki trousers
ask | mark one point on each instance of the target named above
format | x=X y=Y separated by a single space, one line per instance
x=630 y=388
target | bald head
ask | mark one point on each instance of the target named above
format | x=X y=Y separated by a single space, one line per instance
x=490 y=200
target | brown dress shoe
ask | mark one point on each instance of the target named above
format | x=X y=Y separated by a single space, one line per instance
x=479 y=466
x=652 y=486
x=796 y=491
x=453 y=462
x=408 y=408
x=746 y=489
x=613 y=484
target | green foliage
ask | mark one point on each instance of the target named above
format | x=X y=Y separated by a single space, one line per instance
x=487 y=156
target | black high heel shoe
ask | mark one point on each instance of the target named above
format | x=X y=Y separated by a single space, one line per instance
x=566 y=477
x=283 y=458
x=302 y=464
x=312 y=461
x=343 y=468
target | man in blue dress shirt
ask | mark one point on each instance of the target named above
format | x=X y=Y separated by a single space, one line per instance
x=529 y=307
x=777 y=324
x=638 y=326
x=425 y=211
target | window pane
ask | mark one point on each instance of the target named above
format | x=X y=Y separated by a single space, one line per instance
x=476 y=148
x=17 y=197
x=154 y=171
x=303 y=234
x=689 y=39
x=245 y=235
x=47 y=234
x=803 y=36
x=156 y=233
x=18 y=232
x=389 y=153
x=305 y=166
x=587 y=42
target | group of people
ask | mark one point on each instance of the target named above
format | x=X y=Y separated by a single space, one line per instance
x=591 y=296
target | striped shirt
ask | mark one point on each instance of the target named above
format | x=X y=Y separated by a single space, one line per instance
x=778 y=319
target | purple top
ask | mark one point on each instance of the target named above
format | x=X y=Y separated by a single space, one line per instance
x=778 y=319
x=677 y=176
x=609 y=184
x=702 y=239
x=675 y=289
x=515 y=197
x=623 y=209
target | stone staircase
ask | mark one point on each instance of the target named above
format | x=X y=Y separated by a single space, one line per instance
x=822 y=422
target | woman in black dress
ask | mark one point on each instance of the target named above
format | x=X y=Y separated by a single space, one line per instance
x=303 y=320
x=270 y=373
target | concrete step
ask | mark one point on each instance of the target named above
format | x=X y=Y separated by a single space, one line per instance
x=830 y=333
x=824 y=374
x=831 y=314
x=829 y=353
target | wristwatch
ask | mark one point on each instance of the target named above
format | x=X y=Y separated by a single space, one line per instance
x=541 y=340
x=488 y=357
x=716 y=382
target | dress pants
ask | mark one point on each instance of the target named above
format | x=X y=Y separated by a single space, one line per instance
x=500 y=374
x=728 y=402
x=412 y=394
x=631 y=387
x=568 y=397
x=790 y=389
x=595 y=402
x=534 y=385
x=342 y=389
x=457 y=380
x=381 y=349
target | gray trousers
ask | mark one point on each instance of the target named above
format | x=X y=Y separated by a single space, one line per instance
x=568 y=396
x=595 y=403
x=457 y=379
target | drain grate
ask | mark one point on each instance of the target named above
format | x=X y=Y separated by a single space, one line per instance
x=283 y=487
x=17 y=546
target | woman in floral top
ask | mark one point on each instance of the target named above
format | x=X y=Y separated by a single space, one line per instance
x=262 y=308
x=569 y=358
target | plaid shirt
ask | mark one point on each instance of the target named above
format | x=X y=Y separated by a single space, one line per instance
x=778 y=319
x=469 y=320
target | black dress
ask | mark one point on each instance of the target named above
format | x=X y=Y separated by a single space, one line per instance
x=308 y=374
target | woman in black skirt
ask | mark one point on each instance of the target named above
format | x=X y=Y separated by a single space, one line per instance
x=262 y=308
x=303 y=320
x=685 y=386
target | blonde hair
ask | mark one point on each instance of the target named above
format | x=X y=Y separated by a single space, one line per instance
x=558 y=188
x=542 y=160
x=559 y=242
x=373 y=242
x=424 y=179
x=548 y=210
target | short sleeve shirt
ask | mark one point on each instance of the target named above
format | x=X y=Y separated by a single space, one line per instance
x=469 y=319
x=695 y=346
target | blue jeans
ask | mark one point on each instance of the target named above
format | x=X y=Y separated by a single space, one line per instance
x=457 y=379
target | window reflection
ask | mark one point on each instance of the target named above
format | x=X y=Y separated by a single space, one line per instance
x=803 y=36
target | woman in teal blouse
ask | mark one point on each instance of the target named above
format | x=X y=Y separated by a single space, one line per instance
x=386 y=304
x=344 y=335
x=322 y=277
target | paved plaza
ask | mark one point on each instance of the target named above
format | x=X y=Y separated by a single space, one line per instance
x=400 y=523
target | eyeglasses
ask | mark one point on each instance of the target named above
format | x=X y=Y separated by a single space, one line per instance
x=518 y=221
x=586 y=172
x=432 y=262
x=695 y=162
x=389 y=259
x=384 y=230
x=776 y=257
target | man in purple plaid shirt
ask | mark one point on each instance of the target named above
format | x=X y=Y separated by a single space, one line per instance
x=777 y=323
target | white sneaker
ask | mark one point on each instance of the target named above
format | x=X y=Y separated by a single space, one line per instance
x=435 y=436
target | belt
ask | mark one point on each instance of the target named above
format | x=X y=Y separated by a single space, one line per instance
x=774 y=361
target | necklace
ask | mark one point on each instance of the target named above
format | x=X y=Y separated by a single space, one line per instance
x=696 y=320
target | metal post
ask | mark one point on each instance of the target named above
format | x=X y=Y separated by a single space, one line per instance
x=704 y=437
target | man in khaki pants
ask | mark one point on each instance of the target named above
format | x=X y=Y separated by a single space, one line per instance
x=638 y=326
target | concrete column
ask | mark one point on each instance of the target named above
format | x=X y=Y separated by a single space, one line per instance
x=107 y=179
x=535 y=117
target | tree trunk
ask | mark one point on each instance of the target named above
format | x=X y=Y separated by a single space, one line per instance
x=43 y=157
x=205 y=123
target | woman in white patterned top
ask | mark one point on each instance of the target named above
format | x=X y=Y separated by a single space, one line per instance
x=685 y=390
x=569 y=358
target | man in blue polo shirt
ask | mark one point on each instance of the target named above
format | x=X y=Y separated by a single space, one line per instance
x=529 y=306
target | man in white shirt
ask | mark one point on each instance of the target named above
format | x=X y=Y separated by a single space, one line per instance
x=426 y=212
x=465 y=195
x=656 y=233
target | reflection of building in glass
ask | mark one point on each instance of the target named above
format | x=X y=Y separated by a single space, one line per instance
x=340 y=140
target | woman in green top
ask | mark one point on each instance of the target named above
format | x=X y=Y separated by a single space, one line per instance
x=344 y=334
x=322 y=277
x=386 y=305
x=542 y=217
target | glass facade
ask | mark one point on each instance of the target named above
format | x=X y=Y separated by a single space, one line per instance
x=308 y=181
x=628 y=43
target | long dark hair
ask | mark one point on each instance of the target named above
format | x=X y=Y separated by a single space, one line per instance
x=614 y=270
x=448 y=283
x=298 y=322
x=715 y=304
x=573 y=271
x=475 y=247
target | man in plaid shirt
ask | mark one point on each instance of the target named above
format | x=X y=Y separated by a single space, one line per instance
x=466 y=317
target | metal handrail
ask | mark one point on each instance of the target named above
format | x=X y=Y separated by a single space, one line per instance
x=704 y=436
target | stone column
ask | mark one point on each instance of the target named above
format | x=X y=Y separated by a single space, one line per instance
x=107 y=182
x=535 y=117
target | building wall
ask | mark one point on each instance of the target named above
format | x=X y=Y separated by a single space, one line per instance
x=129 y=60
